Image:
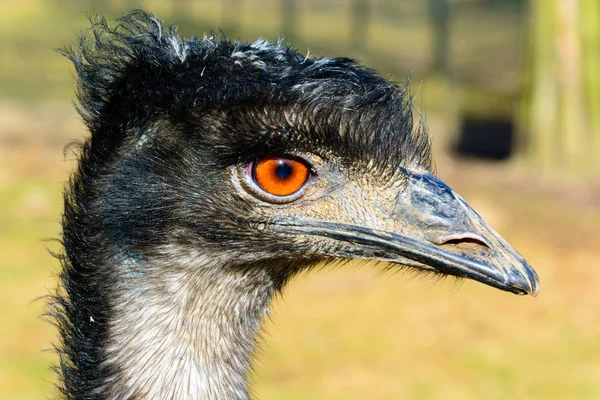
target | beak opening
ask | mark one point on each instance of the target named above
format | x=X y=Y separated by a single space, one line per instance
x=394 y=248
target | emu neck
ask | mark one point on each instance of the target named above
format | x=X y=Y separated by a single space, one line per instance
x=184 y=331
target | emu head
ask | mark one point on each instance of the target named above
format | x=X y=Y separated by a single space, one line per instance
x=259 y=157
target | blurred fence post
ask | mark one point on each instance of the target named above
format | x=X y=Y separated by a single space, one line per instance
x=181 y=7
x=230 y=17
x=288 y=9
x=439 y=20
x=572 y=107
x=132 y=4
x=439 y=11
x=540 y=97
x=561 y=107
x=590 y=37
x=359 y=27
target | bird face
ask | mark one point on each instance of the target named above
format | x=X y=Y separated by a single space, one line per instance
x=259 y=155
x=415 y=220
x=314 y=207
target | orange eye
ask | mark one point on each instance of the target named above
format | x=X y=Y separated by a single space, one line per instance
x=279 y=176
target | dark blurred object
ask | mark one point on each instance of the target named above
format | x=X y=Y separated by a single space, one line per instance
x=488 y=138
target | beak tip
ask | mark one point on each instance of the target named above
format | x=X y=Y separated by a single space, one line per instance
x=534 y=282
x=526 y=280
x=535 y=288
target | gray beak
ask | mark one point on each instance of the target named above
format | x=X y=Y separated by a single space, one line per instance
x=435 y=230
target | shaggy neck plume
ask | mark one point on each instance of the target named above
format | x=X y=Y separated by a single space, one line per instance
x=183 y=333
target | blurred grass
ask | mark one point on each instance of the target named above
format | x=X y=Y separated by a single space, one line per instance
x=338 y=334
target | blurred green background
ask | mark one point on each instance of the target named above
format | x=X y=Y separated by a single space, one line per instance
x=511 y=91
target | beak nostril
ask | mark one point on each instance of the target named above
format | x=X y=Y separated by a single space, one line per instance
x=459 y=238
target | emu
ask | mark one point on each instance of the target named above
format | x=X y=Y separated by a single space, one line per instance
x=217 y=170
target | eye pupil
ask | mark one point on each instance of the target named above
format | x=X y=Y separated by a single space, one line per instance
x=284 y=170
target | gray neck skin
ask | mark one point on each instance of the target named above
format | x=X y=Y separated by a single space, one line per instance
x=184 y=332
